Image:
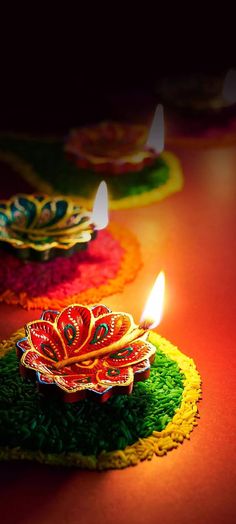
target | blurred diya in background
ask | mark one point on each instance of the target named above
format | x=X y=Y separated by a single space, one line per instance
x=116 y=148
x=212 y=95
x=201 y=109
x=41 y=227
x=90 y=352
x=130 y=158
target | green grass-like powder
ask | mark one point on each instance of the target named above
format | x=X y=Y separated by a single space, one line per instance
x=32 y=422
x=50 y=163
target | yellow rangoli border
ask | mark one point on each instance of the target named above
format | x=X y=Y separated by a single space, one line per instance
x=130 y=265
x=159 y=443
x=172 y=185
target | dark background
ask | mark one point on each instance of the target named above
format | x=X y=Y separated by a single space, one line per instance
x=70 y=69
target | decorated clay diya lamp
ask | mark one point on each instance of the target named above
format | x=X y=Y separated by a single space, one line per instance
x=42 y=227
x=89 y=352
x=200 y=99
x=112 y=148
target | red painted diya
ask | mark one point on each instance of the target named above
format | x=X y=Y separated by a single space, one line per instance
x=85 y=352
x=110 y=147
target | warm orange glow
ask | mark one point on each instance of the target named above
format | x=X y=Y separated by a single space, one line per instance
x=156 y=136
x=229 y=87
x=152 y=313
x=100 y=207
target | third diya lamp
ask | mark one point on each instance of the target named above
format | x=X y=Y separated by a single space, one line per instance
x=199 y=100
x=116 y=148
x=42 y=227
x=90 y=351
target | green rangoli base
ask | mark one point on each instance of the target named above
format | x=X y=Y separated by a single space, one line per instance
x=43 y=163
x=158 y=415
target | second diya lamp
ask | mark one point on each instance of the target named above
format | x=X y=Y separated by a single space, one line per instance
x=114 y=147
x=90 y=352
x=41 y=227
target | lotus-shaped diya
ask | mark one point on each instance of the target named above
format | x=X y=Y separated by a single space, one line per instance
x=85 y=352
x=111 y=147
x=41 y=227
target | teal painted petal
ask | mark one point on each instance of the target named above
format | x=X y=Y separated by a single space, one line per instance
x=52 y=213
x=23 y=211
x=4 y=220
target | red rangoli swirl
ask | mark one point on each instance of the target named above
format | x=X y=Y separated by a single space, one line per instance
x=111 y=260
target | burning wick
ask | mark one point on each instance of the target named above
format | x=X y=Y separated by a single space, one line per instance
x=150 y=318
x=100 y=207
x=156 y=136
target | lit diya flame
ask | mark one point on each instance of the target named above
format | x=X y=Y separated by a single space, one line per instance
x=152 y=313
x=156 y=136
x=89 y=350
x=151 y=318
x=100 y=207
x=229 y=87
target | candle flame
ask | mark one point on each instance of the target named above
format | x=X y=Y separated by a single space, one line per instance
x=229 y=87
x=152 y=313
x=100 y=207
x=156 y=136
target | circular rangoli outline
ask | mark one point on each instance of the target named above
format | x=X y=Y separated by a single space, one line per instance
x=173 y=184
x=130 y=265
x=159 y=443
